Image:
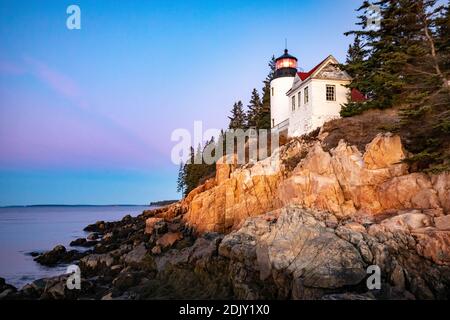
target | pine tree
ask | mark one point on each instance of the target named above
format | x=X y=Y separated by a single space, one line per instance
x=209 y=169
x=264 y=119
x=198 y=155
x=443 y=39
x=181 y=178
x=355 y=67
x=196 y=170
x=189 y=173
x=254 y=111
x=237 y=119
x=355 y=58
x=404 y=65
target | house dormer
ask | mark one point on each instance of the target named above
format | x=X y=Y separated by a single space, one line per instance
x=327 y=69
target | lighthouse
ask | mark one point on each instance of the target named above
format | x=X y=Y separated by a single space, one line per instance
x=301 y=102
x=285 y=72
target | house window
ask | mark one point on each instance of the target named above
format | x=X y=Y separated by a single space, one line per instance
x=299 y=99
x=273 y=123
x=331 y=92
x=306 y=95
x=273 y=92
x=293 y=103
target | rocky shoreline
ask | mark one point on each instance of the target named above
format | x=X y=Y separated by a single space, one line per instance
x=339 y=203
x=292 y=253
x=125 y=261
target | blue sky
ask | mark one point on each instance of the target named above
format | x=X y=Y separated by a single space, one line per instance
x=86 y=115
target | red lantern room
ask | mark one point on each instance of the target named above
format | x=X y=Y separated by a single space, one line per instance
x=286 y=65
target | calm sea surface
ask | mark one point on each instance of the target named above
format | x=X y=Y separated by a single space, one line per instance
x=27 y=229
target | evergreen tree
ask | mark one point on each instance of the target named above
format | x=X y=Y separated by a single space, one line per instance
x=181 y=177
x=254 y=111
x=443 y=38
x=198 y=155
x=196 y=170
x=190 y=174
x=404 y=64
x=237 y=119
x=265 y=121
x=221 y=140
x=355 y=67
x=355 y=58
x=208 y=170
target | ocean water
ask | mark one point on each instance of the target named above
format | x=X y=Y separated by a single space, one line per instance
x=27 y=229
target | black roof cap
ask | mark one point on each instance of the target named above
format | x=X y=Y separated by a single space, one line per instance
x=286 y=55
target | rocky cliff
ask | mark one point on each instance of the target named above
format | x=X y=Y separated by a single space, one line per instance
x=309 y=220
x=343 y=181
x=305 y=223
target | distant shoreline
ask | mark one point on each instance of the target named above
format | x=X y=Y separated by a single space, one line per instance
x=163 y=203
x=79 y=205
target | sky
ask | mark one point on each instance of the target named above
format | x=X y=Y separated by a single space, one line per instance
x=86 y=115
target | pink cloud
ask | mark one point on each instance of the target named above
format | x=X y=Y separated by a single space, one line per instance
x=54 y=79
x=59 y=82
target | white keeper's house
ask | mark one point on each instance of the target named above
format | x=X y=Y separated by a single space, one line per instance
x=303 y=101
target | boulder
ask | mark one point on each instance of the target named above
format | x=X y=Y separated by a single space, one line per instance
x=169 y=239
x=6 y=291
x=116 y=268
x=59 y=254
x=125 y=280
x=301 y=256
x=409 y=221
x=127 y=218
x=313 y=184
x=54 y=288
x=384 y=151
x=434 y=245
x=93 y=236
x=135 y=256
x=78 y=242
x=442 y=223
x=441 y=183
x=150 y=224
x=304 y=248
x=156 y=250
x=413 y=191
x=96 y=262
x=7 y=294
x=99 y=226
x=82 y=242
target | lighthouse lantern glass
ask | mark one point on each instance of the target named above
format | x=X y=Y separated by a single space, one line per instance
x=286 y=63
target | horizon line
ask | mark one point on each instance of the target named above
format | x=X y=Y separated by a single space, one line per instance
x=153 y=203
x=72 y=205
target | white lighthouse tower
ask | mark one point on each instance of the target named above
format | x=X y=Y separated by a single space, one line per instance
x=285 y=72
